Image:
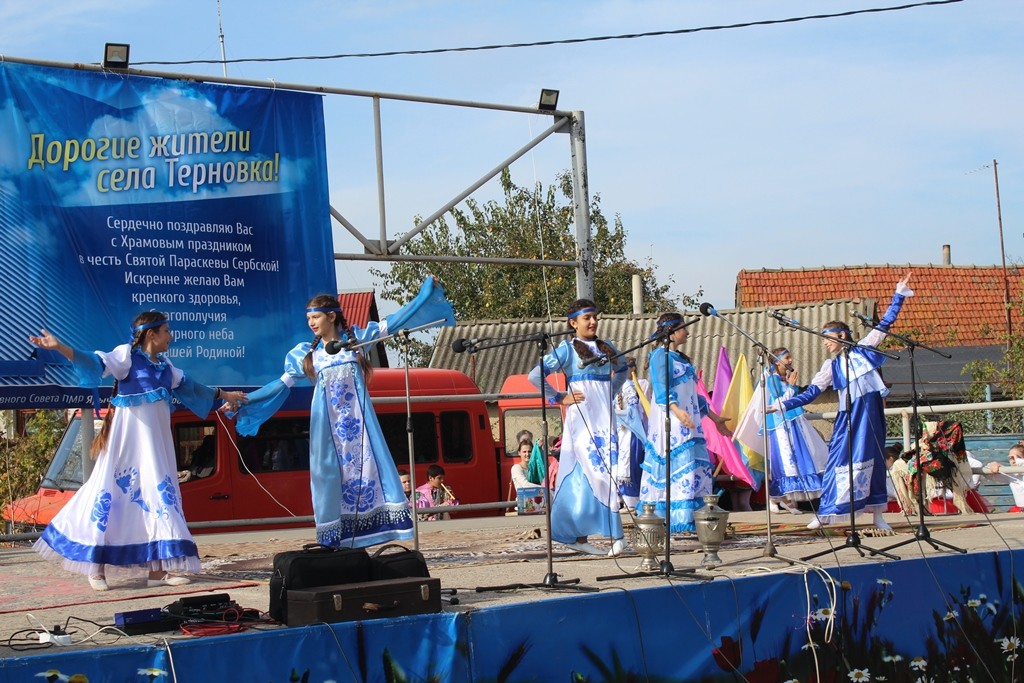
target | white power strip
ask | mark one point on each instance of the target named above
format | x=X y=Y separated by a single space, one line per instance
x=63 y=639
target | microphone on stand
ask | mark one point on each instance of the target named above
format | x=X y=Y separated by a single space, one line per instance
x=665 y=332
x=863 y=318
x=593 y=360
x=463 y=345
x=679 y=326
x=788 y=322
x=707 y=309
x=334 y=346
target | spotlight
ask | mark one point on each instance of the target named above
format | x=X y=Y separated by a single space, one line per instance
x=548 y=100
x=115 y=55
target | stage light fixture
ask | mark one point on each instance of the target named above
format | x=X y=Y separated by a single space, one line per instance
x=548 y=100
x=115 y=55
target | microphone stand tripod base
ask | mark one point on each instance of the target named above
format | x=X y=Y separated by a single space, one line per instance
x=853 y=541
x=551 y=581
x=922 y=535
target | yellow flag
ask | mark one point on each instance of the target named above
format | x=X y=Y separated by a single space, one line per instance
x=736 y=401
x=640 y=393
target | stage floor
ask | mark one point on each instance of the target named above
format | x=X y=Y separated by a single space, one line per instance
x=465 y=554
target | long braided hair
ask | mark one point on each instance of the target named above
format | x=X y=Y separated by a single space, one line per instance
x=583 y=350
x=341 y=325
x=138 y=336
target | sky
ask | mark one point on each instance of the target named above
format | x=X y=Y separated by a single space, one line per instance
x=865 y=139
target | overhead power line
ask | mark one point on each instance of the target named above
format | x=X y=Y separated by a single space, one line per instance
x=566 y=41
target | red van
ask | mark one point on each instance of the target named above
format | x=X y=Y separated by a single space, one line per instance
x=225 y=477
x=517 y=414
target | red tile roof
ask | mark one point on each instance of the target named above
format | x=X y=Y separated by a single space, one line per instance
x=952 y=306
x=359 y=307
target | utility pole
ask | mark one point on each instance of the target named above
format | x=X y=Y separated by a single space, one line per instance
x=1002 y=253
x=220 y=29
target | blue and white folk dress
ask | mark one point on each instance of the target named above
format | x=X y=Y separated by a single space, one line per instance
x=127 y=517
x=586 y=499
x=691 y=475
x=861 y=489
x=358 y=499
x=796 y=453
x=632 y=426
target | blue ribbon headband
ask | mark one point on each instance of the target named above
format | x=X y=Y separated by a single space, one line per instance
x=837 y=330
x=670 y=323
x=324 y=309
x=581 y=312
x=148 y=326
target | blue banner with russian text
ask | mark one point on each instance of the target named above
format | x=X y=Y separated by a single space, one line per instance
x=121 y=193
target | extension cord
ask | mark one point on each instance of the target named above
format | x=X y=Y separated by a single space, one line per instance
x=62 y=639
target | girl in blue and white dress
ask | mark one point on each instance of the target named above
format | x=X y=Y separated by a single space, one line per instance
x=691 y=475
x=796 y=452
x=127 y=517
x=358 y=499
x=864 y=417
x=586 y=499
x=632 y=426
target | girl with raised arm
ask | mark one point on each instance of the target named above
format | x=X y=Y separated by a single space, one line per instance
x=128 y=515
x=860 y=425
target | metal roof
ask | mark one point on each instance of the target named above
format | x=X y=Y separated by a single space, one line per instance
x=938 y=379
x=490 y=366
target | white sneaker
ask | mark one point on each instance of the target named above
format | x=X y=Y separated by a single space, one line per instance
x=617 y=547
x=168 y=580
x=98 y=583
x=815 y=524
x=880 y=521
x=585 y=548
x=792 y=509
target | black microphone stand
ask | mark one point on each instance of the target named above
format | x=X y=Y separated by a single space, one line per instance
x=852 y=538
x=921 y=533
x=665 y=568
x=401 y=336
x=764 y=358
x=550 y=579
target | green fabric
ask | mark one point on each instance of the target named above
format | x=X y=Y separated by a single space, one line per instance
x=538 y=468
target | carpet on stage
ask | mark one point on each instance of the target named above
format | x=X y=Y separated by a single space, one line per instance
x=72 y=589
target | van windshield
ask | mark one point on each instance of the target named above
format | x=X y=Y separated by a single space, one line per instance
x=65 y=471
x=519 y=420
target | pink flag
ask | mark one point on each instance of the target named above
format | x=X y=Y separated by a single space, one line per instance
x=723 y=378
x=722 y=446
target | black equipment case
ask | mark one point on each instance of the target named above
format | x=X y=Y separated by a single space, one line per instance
x=398 y=565
x=368 y=600
x=314 y=565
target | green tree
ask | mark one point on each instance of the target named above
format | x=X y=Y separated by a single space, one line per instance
x=531 y=224
x=1007 y=376
x=24 y=460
